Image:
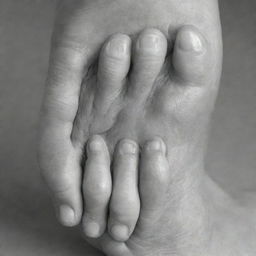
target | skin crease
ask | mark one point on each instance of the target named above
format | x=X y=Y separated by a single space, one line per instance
x=77 y=21
x=204 y=232
x=75 y=46
x=71 y=32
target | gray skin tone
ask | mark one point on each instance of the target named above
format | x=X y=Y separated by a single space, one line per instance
x=158 y=194
x=170 y=93
x=75 y=46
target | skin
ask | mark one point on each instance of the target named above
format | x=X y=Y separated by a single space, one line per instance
x=167 y=81
x=158 y=194
x=75 y=47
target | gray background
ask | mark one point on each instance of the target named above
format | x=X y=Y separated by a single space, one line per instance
x=27 y=222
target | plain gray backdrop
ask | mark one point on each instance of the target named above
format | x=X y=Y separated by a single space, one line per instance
x=27 y=222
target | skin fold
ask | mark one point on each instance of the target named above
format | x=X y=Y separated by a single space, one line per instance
x=159 y=91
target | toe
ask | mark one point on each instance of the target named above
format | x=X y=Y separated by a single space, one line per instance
x=189 y=56
x=125 y=203
x=154 y=180
x=96 y=187
x=149 y=56
x=114 y=64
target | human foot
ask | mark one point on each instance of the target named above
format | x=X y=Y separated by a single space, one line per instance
x=78 y=35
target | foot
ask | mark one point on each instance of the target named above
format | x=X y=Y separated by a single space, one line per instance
x=75 y=46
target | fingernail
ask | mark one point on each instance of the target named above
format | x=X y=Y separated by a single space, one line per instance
x=155 y=145
x=95 y=144
x=118 y=47
x=128 y=147
x=190 y=41
x=92 y=229
x=67 y=215
x=120 y=232
x=149 y=42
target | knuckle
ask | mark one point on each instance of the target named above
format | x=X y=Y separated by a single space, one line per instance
x=98 y=191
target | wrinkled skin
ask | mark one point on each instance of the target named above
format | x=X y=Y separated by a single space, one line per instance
x=81 y=28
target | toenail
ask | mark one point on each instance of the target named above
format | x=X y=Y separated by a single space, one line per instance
x=149 y=42
x=118 y=47
x=67 y=215
x=120 y=232
x=128 y=147
x=92 y=229
x=95 y=145
x=190 y=41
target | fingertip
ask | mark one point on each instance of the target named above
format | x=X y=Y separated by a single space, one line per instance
x=189 y=56
x=67 y=216
x=155 y=145
x=120 y=232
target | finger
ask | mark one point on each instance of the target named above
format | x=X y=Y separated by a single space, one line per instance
x=97 y=187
